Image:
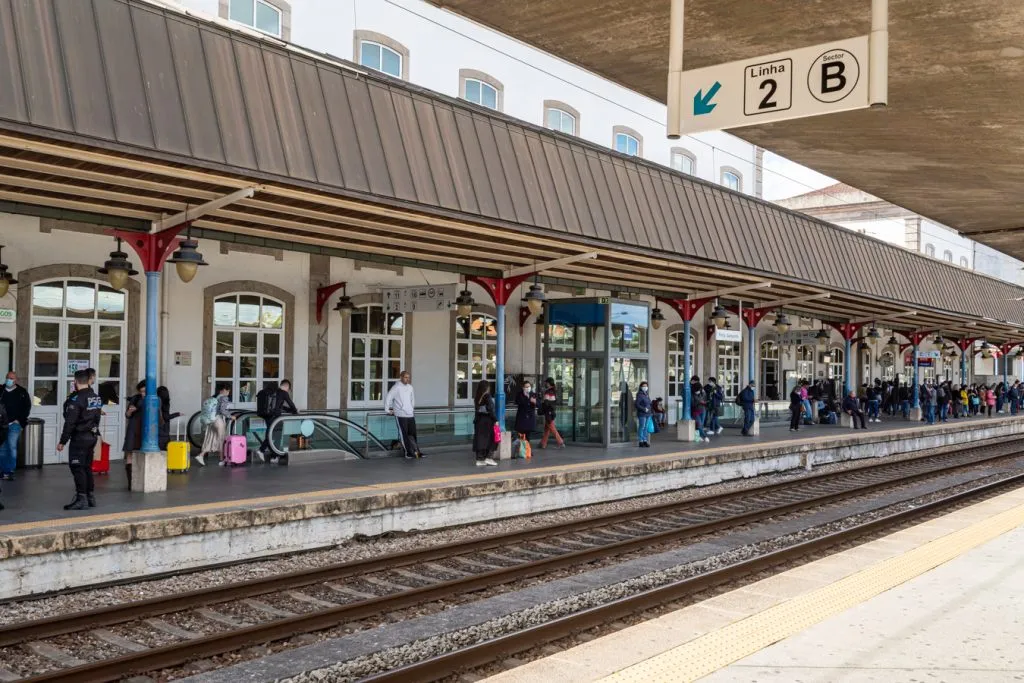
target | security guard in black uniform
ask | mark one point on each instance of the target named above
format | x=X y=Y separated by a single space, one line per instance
x=82 y=413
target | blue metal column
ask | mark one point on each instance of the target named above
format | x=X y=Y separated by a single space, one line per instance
x=1006 y=361
x=686 y=370
x=151 y=410
x=499 y=381
x=913 y=389
x=963 y=368
x=751 y=345
x=846 y=368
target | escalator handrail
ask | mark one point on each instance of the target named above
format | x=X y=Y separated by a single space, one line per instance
x=237 y=414
x=198 y=415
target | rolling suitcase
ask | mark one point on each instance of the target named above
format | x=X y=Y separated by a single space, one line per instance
x=234 y=450
x=101 y=455
x=178 y=453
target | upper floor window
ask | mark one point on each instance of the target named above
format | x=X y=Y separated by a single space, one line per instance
x=627 y=141
x=380 y=58
x=963 y=262
x=929 y=250
x=559 y=120
x=480 y=88
x=248 y=343
x=377 y=352
x=947 y=255
x=258 y=14
x=683 y=161
x=732 y=179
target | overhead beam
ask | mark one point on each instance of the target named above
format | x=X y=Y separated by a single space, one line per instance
x=884 y=318
x=550 y=265
x=794 y=300
x=191 y=214
x=729 y=290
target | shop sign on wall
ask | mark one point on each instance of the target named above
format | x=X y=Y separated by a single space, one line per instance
x=8 y=315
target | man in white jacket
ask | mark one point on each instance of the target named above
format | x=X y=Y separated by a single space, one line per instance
x=401 y=403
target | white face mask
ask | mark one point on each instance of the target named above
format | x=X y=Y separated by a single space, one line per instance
x=526 y=390
x=643 y=388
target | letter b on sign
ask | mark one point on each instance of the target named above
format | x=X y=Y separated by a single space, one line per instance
x=833 y=76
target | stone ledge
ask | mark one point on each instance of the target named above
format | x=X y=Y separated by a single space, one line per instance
x=234 y=515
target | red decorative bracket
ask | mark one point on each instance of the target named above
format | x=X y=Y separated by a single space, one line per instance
x=1006 y=348
x=322 y=296
x=686 y=308
x=524 y=315
x=847 y=330
x=750 y=316
x=966 y=343
x=499 y=288
x=904 y=347
x=153 y=248
x=709 y=334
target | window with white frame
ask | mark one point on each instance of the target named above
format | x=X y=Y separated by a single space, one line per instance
x=478 y=92
x=964 y=263
x=562 y=121
x=769 y=387
x=476 y=354
x=258 y=14
x=248 y=343
x=732 y=180
x=376 y=353
x=947 y=255
x=627 y=144
x=676 y=379
x=929 y=250
x=380 y=58
x=683 y=161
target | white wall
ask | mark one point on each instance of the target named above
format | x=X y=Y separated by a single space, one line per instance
x=943 y=239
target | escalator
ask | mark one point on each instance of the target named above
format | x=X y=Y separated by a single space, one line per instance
x=313 y=432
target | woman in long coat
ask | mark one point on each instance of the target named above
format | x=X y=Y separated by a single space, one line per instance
x=484 y=420
x=526 y=411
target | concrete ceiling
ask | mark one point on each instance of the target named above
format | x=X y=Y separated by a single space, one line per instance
x=950 y=144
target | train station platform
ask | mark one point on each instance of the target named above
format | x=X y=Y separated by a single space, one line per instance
x=936 y=601
x=215 y=514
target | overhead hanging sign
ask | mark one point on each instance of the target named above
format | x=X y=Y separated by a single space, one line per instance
x=728 y=335
x=423 y=298
x=810 y=81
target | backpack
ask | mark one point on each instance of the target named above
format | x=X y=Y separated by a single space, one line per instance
x=209 y=410
x=266 y=403
x=942 y=394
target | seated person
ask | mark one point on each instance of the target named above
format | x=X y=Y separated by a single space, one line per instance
x=658 y=406
x=827 y=412
x=851 y=406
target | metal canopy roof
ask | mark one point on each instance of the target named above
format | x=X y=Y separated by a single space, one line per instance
x=947 y=147
x=121 y=108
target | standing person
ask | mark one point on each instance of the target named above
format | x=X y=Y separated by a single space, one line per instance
x=526 y=412
x=547 y=410
x=716 y=396
x=942 y=400
x=81 y=429
x=698 y=406
x=805 y=401
x=1000 y=390
x=929 y=399
x=484 y=420
x=216 y=415
x=796 y=406
x=746 y=400
x=401 y=402
x=133 y=426
x=17 y=404
x=272 y=402
x=644 y=415
x=164 y=394
x=990 y=401
x=851 y=406
x=1013 y=395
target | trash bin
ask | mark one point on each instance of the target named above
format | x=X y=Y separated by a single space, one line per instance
x=30 y=447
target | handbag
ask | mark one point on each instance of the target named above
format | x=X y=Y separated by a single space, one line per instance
x=497 y=433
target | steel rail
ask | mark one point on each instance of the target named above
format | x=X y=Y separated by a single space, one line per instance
x=220 y=643
x=13 y=634
x=488 y=651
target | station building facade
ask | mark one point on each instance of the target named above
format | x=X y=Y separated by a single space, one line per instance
x=360 y=178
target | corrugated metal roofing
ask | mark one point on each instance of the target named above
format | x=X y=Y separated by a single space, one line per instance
x=125 y=75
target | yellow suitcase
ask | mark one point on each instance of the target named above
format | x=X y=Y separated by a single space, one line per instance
x=178 y=459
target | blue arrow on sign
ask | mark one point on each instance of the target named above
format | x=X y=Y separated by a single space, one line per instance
x=702 y=103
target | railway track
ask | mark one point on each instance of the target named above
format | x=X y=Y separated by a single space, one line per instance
x=168 y=631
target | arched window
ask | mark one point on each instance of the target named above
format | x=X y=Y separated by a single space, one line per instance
x=476 y=354
x=805 y=362
x=888 y=366
x=248 y=343
x=683 y=161
x=732 y=179
x=929 y=250
x=627 y=141
x=380 y=58
x=947 y=256
x=964 y=263
x=769 y=385
x=676 y=379
x=558 y=117
x=376 y=353
x=262 y=15
x=835 y=365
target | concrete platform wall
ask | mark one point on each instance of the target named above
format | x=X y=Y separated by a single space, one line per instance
x=49 y=560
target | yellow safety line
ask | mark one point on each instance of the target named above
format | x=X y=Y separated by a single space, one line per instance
x=709 y=653
x=251 y=503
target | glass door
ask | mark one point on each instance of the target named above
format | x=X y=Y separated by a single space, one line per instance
x=729 y=368
x=579 y=414
x=626 y=376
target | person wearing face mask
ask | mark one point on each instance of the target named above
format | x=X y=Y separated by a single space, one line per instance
x=644 y=412
x=17 y=404
x=526 y=411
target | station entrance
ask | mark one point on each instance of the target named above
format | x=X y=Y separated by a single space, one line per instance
x=597 y=352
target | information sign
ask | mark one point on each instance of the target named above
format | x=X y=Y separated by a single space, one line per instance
x=421 y=298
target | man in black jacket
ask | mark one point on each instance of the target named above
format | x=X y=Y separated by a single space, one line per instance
x=17 y=404
x=272 y=402
x=851 y=406
x=81 y=429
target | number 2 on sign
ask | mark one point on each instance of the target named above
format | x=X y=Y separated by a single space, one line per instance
x=772 y=86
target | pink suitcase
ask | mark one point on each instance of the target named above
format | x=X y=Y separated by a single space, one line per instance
x=234 y=450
